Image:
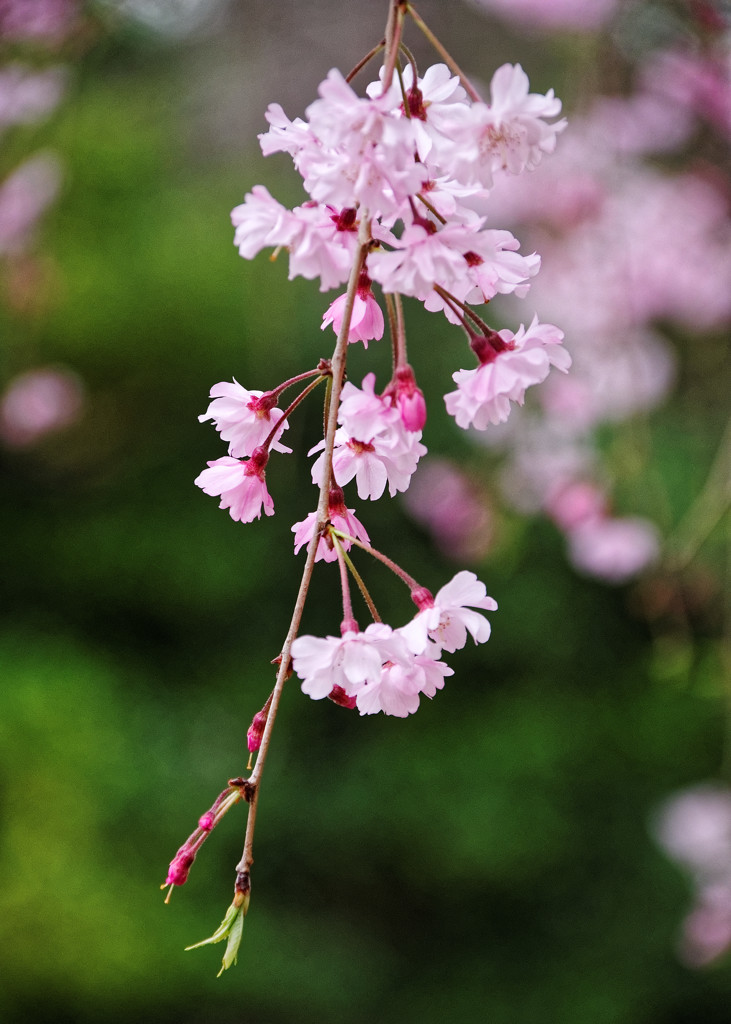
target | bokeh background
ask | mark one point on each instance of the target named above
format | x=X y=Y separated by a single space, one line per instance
x=550 y=838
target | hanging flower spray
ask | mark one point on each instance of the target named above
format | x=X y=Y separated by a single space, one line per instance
x=397 y=182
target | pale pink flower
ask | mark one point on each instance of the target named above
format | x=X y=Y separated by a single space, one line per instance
x=241 y=486
x=37 y=403
x=362 y=412
x=243 y=419
x=472 y=263
x=421 y=258
x=694 y=827
x=614 y=550
x=510 y=133
x=397 y=690
x=284 y=135
x=349 y=661
x=317 y=248
x=447 y=618
x=389 y=458
x=483 y=395
x=367 y=154
x=261 y=221
x=372 y=445
x=366 y=321
x=429 y=103
x=341 y=518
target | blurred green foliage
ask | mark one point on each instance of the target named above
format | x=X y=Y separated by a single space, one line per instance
x=488 y=859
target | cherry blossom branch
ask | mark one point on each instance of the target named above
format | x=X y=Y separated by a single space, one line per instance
x=448 y=59
x=393 y=41
x=338 y=363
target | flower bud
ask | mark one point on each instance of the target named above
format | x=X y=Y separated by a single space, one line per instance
x=180 y=866
x=338 y=696
x=256 y=731
x=422 y=598
x=410 y=400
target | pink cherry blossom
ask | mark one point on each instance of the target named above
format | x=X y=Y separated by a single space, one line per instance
x=510 y=133
x=316 y=247
x=342 y=519
x=388 y=458
x=483 y=395
x=366 y=322
x=362 y=412
x=349 y=661
x=367 y=154
x=447 y=618
x=372 y=446
x=430 y=103
x=396 y=692
x=241 y=486
x=243 y=419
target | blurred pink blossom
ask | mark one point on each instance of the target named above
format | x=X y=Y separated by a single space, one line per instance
x=577 y=503
x=694 y=828
x=44 y=20
x=37 y=403
x=582 y=15
x=27 y=95
x=446 y=502
x=24 y=195
x=614 y=550
x=695 y=82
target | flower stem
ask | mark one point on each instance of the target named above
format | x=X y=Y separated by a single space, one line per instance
x=358 y=579
x=290 y=409
x=394 y=28
x=448 y=59
x=401 y=573
x=344 y=584
x=336 y=383
x=362 y=63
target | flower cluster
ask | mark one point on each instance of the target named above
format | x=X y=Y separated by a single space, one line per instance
x=416 y=161
x=397 y=185
x=385 y=669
